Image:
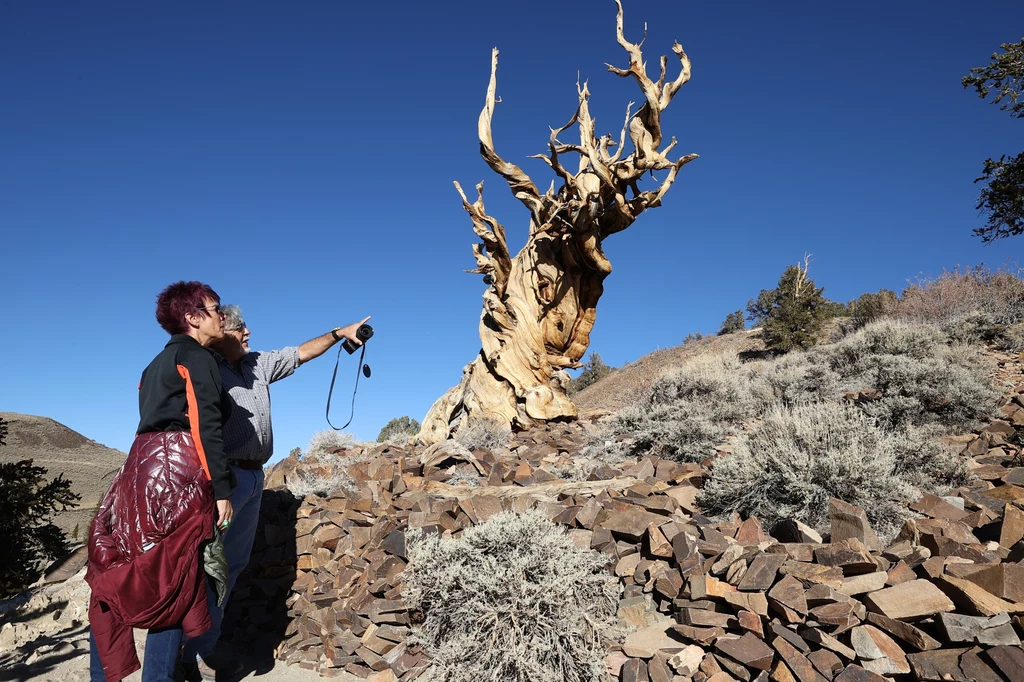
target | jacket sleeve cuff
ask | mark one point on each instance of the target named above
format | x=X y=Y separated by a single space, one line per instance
x=222 y=488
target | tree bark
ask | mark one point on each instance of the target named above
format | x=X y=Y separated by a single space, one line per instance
x=539 y=307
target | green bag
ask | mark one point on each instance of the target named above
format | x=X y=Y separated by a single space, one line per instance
x=215 y=564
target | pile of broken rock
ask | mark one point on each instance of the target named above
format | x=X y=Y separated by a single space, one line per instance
x=703 y=600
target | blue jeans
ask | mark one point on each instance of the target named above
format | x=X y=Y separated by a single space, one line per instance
x=158 y=663
x=238 y=539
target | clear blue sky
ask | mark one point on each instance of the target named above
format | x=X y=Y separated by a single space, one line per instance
x=299 y=157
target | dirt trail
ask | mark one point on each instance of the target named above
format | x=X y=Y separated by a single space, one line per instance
x=46 y=639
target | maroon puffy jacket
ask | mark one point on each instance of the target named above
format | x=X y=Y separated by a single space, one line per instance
x=145 y=564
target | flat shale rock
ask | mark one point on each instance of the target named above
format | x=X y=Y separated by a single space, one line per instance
x=865 y=582
x=749 y=601
x=878 y=652
x=978 y=668
x=826 y=662
x=634 y=670
x=906 y=632
x=850 y=521
x=648 y=641
x=994 y=631
x=910 y=600
x=1009 y=661
x=855 y=673
x=974 y=600
x=686 y=662
x=851 y=555
x=631 y=524
x=815 y=574
x=801 y=668
x=789 y=592
x=748 y=650
x=1003 y=580
x=938 y=665
x=761 y=573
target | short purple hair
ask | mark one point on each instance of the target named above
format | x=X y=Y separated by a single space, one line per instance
x=179 y=299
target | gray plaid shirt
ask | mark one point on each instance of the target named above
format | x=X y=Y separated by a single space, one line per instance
x=248 y=433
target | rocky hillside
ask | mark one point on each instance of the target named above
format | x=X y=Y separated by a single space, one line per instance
x=690 y=598
x=87 y=464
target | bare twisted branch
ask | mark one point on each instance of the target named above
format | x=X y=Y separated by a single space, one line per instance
x=518 y=181
x=497 y=261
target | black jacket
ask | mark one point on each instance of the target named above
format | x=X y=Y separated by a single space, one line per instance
x=181 y=390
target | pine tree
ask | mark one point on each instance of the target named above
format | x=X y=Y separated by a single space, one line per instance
x=792 y=314
x=403 y=425
x=733 y=322
x=27 y=532
x=594 y=369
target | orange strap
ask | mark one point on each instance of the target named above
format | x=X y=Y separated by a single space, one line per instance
x=193 y=418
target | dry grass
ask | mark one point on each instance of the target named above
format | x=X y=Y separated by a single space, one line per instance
x=957 y=294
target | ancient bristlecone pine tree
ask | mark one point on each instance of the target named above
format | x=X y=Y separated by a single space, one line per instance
x=540 y=306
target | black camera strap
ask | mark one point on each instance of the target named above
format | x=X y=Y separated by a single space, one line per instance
x=360 y=369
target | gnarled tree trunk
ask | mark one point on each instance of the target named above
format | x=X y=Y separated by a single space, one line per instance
x=540 y=306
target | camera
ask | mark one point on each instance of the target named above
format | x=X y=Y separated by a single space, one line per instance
x=364 y=333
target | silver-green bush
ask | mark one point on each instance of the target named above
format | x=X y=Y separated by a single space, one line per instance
x=320 y=484
x=798 y=458
x=923 y=378
x=485 y=434
x=925 y=462
x=690 y=410
x=512 y=599
x=793 y=379
x=321 y=441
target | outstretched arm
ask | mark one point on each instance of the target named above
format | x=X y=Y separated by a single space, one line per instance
x=314 y=348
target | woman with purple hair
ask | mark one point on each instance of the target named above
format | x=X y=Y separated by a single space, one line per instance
x=145 y=544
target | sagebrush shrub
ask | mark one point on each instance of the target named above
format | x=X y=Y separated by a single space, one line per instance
x=484 y=434
x=798 y=458
x=921 y=376
x=512 y=599
x=320 y=484
x=464 y=476
x=682 y=431
x=795 y=378
x=689 y=410
x=925 y=462
x=1012 y=338
x=322 y=441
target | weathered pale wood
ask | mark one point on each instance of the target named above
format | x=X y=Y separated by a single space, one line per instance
x=540 y=306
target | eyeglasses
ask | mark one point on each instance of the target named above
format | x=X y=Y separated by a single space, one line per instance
x=211 y=308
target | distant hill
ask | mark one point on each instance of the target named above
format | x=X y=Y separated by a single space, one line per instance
x=89 y=465
x=627 y=384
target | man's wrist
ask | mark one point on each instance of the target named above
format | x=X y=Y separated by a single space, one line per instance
x=335 y=335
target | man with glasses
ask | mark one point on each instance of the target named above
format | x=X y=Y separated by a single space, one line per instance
x=249 y=444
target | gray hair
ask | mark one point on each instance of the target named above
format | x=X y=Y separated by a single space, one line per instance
x=232 y=317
